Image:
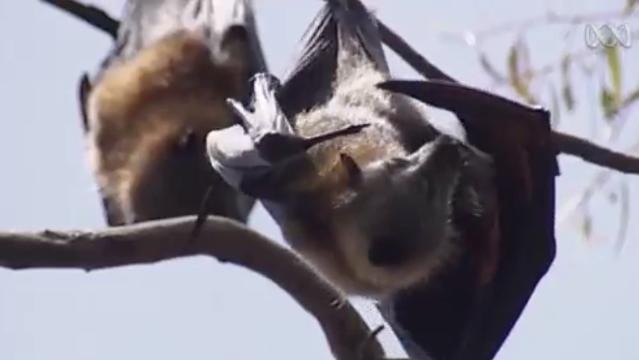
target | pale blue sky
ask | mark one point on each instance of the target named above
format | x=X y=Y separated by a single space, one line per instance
x=586 y=308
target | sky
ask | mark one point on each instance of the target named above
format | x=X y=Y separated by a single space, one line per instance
x=196 y=308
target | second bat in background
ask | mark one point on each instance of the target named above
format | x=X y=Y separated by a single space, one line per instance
x=160 y=90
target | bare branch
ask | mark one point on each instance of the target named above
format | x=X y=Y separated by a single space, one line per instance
x=410 y=55
x=592 y=153
x=564 y=143
x=90 y=14
x=227 y=240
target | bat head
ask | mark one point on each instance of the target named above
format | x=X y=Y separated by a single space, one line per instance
x=397 y=215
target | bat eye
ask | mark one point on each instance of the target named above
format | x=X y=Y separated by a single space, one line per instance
x=186 y=141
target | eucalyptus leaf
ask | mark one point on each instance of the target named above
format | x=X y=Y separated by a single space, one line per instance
x=614 y=66
x=518 y=80
x=608 y=104
x=631 y=5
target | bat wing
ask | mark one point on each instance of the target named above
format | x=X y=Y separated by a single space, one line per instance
x=343 y=36
x=459 y=319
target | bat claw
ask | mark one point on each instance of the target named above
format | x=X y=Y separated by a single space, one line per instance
x=267 y=116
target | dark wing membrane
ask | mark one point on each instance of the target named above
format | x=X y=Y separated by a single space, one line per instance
x=526 y=252
x=146 y=21
x=310 y=82
x=432 y=320
x=341 y=27
x=518 y=139
x=358 y=33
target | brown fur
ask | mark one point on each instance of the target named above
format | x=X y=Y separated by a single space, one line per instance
x=148 y=118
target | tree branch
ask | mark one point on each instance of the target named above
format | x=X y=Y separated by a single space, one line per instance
x=227 y=240
x=410 y=55
x=90 y=14
x=568 y=144
x=564 y=143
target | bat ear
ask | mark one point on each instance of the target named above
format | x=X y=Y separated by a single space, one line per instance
x=353 y=171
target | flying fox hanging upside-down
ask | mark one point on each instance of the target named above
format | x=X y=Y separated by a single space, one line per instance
x=450 y=236
x=159 y=92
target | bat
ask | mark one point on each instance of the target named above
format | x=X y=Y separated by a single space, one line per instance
x=423 y=223
x=157 y=94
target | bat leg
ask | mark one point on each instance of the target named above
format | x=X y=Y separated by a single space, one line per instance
x=268 y=128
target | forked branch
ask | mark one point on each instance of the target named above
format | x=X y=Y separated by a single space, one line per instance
x=224 y=239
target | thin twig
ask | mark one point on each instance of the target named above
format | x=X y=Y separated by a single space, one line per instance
x=564 y=143
x=410 y=55
x=90 y=14
x=624 y=216
x=583 y=197
x=222 y=238
x=550 y=18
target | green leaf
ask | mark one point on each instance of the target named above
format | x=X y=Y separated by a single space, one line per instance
x=490 y=69
x=632 y=97
x=613 y=197
x=630 y=6
x=518 y=81
x=624 y=217
x=608 y=103
x=614 y=65
x=566 y=88
x=555 y=110
x=566 y=61
x=568 y=96
x=586 y=226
